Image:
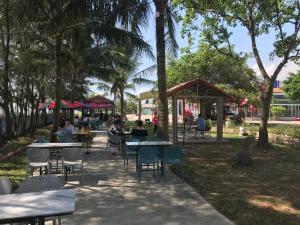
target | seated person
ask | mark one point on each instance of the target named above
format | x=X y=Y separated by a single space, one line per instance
x=69 y=125
x=85 y=129
x=208 y=123
x=76 y=121
x=139 y=131
x=64 y=135
x=86 y=136
x=201 y=124
x=115 y=129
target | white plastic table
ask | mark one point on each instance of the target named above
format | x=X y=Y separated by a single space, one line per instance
x=55 y=145
x=36 y=206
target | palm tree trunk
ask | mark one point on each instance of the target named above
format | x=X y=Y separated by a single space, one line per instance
x=58 y=92
x=122 y=104
x=163 y=131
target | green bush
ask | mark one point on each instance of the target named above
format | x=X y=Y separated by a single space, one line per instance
x=277 y=111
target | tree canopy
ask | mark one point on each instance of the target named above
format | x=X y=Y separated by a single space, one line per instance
x=215 y=67
x=280 y=19
x=291 y=86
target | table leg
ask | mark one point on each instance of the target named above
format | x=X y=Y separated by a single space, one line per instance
x=41 y=221
x=161 y=161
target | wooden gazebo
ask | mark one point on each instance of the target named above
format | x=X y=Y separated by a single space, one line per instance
x=199 y=90
x=99 y=102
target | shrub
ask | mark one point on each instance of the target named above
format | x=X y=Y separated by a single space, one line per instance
x=277 y=111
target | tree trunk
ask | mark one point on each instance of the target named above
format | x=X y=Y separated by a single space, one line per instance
x=122 y=104
x=163 y=130
x=266 y=97
x=6 y=92
x=73 y=84
x=58 y=87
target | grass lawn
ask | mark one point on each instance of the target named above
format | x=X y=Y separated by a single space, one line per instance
x=15 y=167
x=266 y=194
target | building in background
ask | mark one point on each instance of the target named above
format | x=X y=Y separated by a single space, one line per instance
x=280 y=99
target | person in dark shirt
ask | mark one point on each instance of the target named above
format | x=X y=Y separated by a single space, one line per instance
x=139 y=131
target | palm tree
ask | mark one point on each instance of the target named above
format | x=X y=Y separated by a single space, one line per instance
x=165 y=39
x=124 y=76
x=56 y=17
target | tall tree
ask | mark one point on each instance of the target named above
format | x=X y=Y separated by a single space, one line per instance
x=56 y=17
x=280 y=18
x=165 y=39
x=124 y=75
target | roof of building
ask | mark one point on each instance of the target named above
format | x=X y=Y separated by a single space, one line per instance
x=277 y=90
x=205 y=88
x=148 y=94
x=98 y=99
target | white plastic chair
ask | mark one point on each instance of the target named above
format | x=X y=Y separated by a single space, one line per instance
x=5 y=186
x=71 y=158
x=38 y=158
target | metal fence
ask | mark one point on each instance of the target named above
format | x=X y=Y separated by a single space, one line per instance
x=40 y=123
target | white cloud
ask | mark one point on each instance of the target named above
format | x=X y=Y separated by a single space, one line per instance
x=270 y=68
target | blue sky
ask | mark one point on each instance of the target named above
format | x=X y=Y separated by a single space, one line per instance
x=241 y=41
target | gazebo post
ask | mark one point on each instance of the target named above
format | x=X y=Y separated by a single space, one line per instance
x=183 y=108
x=140 y=109
x=174 y=118
x=220 y=116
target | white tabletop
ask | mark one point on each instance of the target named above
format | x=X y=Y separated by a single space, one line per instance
x=149 y=143
x=99 y=131
x=55 y=145
x=37 y=204
x=105 y=132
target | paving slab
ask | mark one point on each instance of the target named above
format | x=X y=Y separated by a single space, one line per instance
x=109 y=195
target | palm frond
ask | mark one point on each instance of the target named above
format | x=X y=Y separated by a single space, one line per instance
x=130 y=95
x=144 y=81
x=171 y=43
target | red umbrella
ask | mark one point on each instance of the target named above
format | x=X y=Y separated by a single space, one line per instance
x=63 y=104
x=51 y=105
x=77 y=105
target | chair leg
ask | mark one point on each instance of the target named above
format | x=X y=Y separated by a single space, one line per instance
x=126 y=163
x=165 y=174
x=82 y=175
x=181 y=167
x=49 y=169
x=62 y=172
x=140 y=172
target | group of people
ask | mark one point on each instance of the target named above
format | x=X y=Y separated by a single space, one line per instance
x=94 y=120
x=203 y=124
x=67 y=129
x=137 y=132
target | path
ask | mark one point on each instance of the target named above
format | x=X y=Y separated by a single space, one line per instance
x=111 y=196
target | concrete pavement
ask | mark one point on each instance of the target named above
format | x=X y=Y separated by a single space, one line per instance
x=111 y=196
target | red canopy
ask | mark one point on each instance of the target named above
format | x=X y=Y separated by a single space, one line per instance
x=63 y=104
x=77 y=105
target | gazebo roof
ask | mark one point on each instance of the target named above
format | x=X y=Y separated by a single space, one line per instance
x=98 y=99
x=204 y=88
